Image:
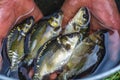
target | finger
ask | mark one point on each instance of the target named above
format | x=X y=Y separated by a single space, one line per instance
x=12 y=12
x=94 y=24
x=31 y=73
x=106 y=12
x=30 y=9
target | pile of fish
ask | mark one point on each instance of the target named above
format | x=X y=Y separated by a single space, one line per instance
x=48 y=48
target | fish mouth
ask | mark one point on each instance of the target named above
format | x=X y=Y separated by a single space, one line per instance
x=87 y=16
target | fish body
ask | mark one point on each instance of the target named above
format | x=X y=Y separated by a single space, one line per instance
x=66 y=54
x=15 y=42
x=56 y=52
x=85 y=55
x=45 y=30
x=79 y=22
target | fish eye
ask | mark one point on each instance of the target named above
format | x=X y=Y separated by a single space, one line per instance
x=67 y=46
x=88 y=40
x=101 y=36
x=64 y=38
x=85 y=16
x=30 y=20
x=71 y=35
x=56 y=28
x=56 y=16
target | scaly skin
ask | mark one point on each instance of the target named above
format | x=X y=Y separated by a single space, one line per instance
x=59 y=50
x=79 y=22
x=45 y=31
x=15 y=42
x=77 y=62
x=13 y=12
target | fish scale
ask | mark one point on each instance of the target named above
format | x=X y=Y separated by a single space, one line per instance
x=59 y=50
x=15 y=42
x=44 y=31
x=80 y=56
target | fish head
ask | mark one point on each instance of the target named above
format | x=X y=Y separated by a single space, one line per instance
x=55 y=20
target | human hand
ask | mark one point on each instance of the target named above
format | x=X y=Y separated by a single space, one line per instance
x=105 y=13
x=14 y=11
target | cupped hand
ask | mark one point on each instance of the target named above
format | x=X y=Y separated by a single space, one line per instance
x=105 y=12
x=13 y=11
x=104 y=15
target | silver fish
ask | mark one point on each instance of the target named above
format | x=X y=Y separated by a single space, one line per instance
x=44 y=31
x=79 y=22
x=15 y=42
x=84 y=55
x=58 y=51
x=56 y=54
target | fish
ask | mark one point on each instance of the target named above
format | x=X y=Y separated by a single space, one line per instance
x=15 y=42
x=79 y=22
x=65 y=51
x=44 y=30
x=56 y=54
x=49 y=29
x=57 y=51
x=85 y=55
x=110 y=17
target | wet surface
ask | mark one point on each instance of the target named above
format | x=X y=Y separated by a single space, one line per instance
x=112 y=55
x=111 y=58
x=112 y=45
x=6 y=62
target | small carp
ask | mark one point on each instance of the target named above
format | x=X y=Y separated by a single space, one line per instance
x=80 y=59
x=56 y=54
x=58 y=51
x=79 y=22
x=15 y=42
x=44 y=30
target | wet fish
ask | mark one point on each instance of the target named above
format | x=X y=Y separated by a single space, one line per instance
x=49 y=29
x=79 y=22
x=56 y=54
x=44 y=30
x=58 y=50
x=64 y=52
x=85 y=55
x=15 y=42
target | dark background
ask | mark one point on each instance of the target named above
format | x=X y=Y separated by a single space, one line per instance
x=49 y=6
x=118 y=4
